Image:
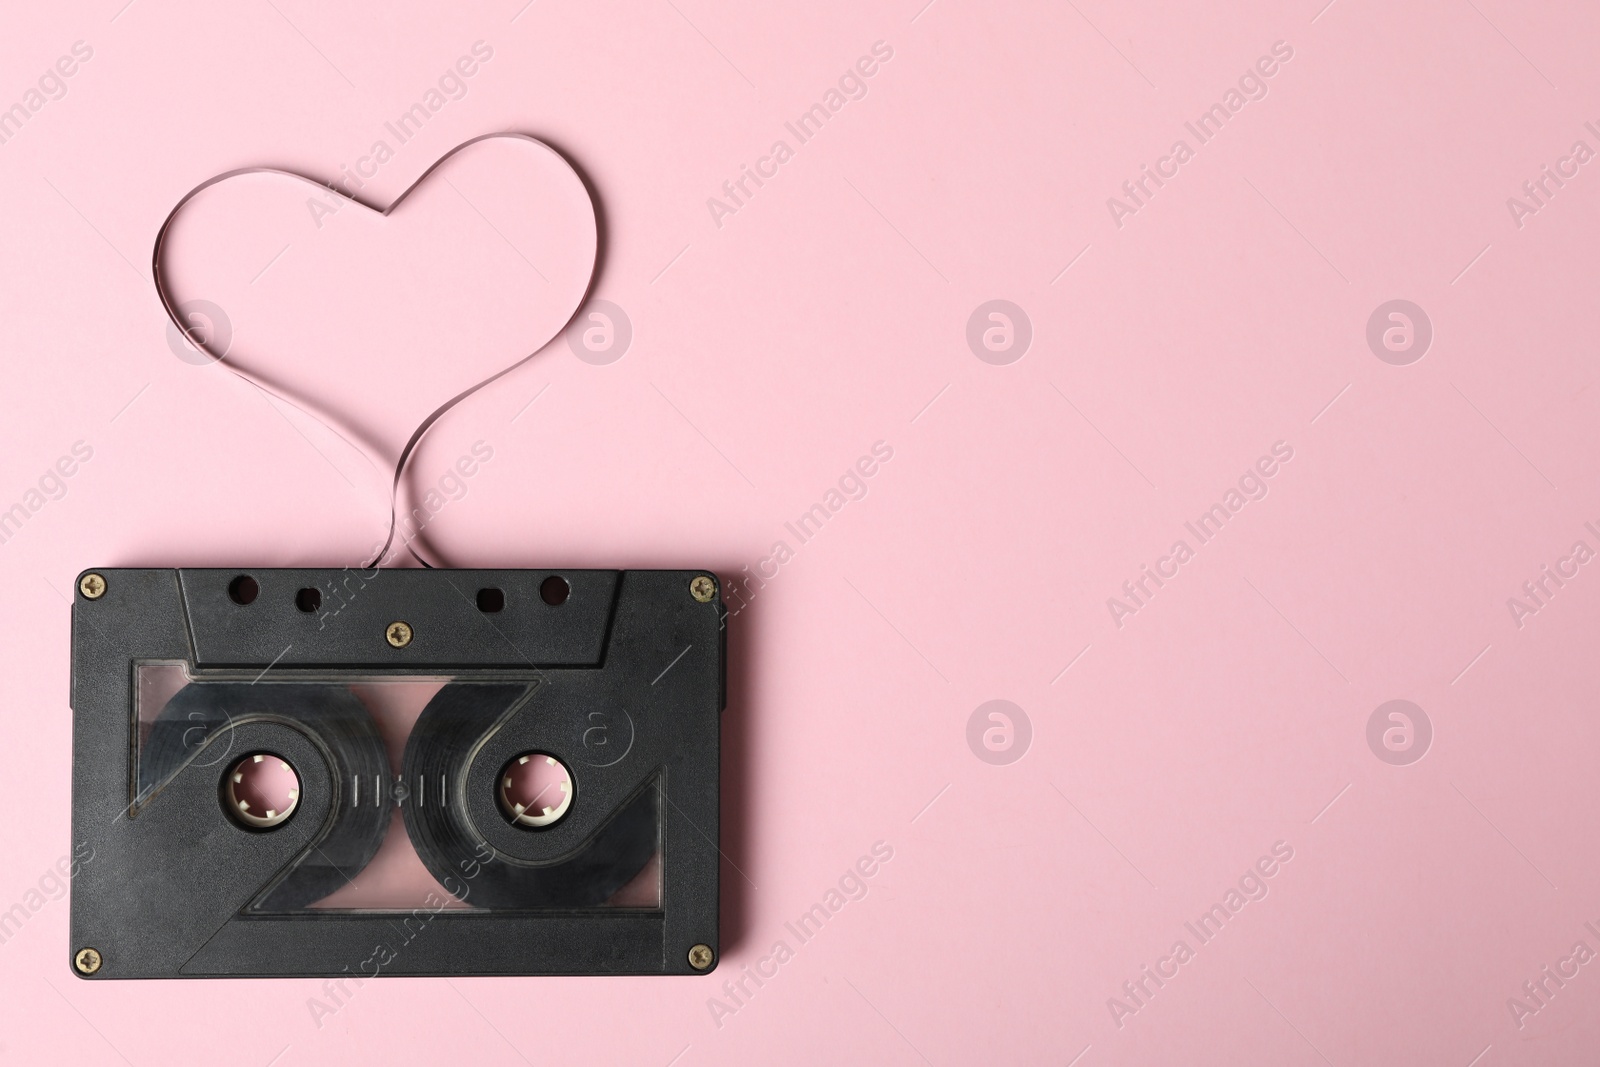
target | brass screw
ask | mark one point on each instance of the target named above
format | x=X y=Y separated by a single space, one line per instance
x=398 y=634
x=88 y=961
x=92 y=586
x=700 y=957
x=703 y=589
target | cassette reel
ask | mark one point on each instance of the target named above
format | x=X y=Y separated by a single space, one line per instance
x=395 y=772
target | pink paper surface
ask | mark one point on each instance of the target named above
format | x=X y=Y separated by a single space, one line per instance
x=1397 y=523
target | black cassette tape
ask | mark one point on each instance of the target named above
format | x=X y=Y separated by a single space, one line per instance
x=395 y=772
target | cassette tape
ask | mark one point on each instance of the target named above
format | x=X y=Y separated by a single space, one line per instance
x=395 y=772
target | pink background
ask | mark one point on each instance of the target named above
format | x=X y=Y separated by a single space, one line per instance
x=768 y=354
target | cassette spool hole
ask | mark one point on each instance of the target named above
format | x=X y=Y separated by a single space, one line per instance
x=261 y=791
x=535 y=790
x=243 y=589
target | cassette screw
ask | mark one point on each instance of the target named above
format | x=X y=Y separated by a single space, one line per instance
x=700 y=957
x=703 y=589
x=398 y=634
x=92 y=586
x=87 y=961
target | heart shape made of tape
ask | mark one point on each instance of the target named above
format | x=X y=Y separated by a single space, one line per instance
x=376 y=321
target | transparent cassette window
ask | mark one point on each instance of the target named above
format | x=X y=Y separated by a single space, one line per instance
x=402 y=831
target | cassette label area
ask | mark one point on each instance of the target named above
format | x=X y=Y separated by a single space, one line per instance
x=310 y=773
